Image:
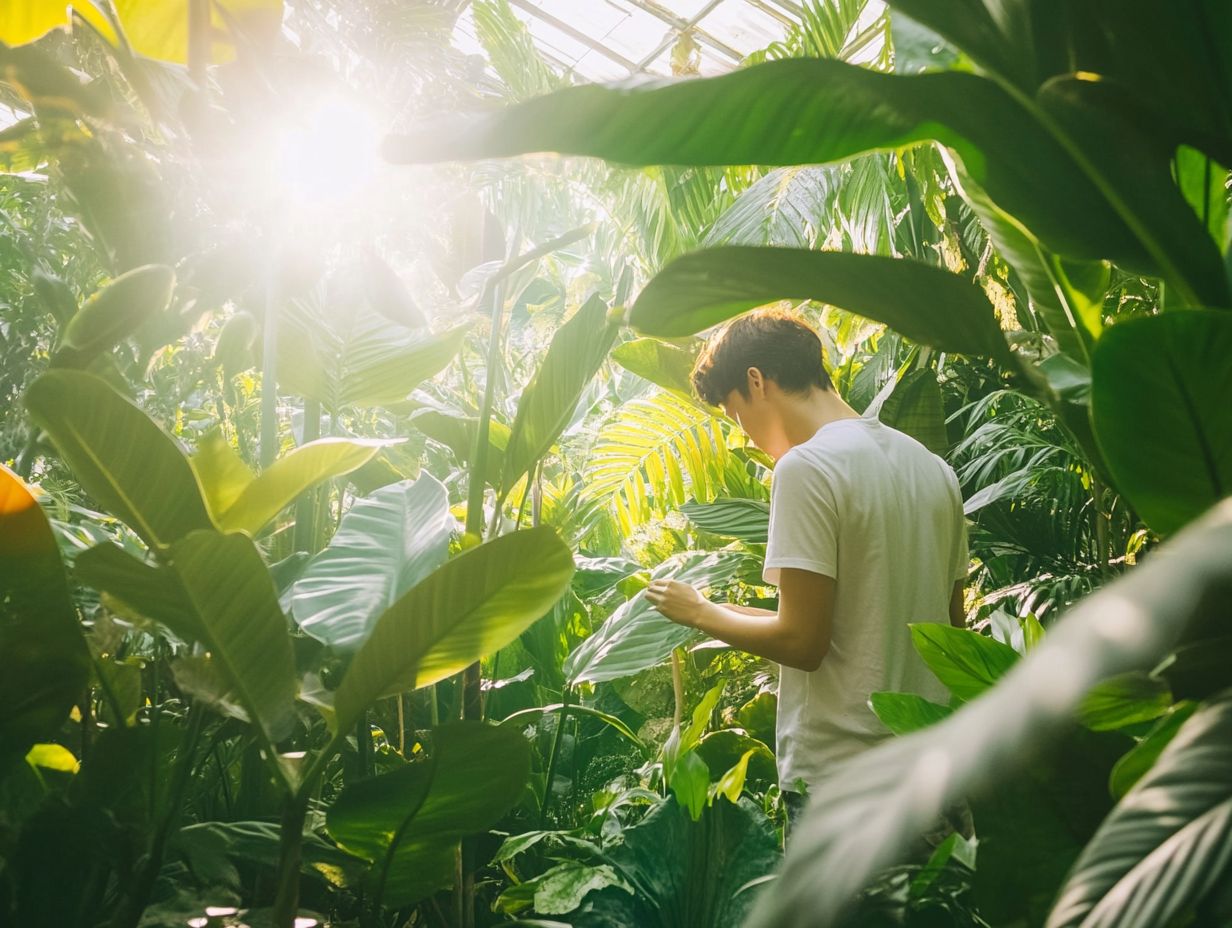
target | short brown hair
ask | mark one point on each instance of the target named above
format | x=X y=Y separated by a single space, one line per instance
x=777 y=343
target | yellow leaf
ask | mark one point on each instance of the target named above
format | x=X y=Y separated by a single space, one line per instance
x=52 y=757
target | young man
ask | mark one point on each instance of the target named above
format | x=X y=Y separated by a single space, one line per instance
x=867 y=535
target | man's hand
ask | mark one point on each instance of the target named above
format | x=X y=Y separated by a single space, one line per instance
x=676 y=600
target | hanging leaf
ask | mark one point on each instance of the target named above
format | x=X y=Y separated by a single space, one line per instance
x=904 y=713
x=408 y=823
x=388 y=295
x=385 y=544
x=967 y=662
x=924 y=303
x=549 y=400
x=46 y=663
x=1169 y=443
x=472 y=606
x=119 y=456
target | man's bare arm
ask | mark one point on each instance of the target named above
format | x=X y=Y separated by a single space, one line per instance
x=798 y=635
x=958 y=614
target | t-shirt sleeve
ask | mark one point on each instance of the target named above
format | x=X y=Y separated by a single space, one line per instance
x=803 y=521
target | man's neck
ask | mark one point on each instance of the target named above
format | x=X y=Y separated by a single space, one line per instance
x=803 y=416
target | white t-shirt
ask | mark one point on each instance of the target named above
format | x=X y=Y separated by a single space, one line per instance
x=881 y=514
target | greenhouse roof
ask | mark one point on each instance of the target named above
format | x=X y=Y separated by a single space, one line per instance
x=601 y=40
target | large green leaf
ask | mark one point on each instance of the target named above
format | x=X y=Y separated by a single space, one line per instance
x=904 y=713
x=815 y=111
x=385 y=544
x=408 y=822
x=549 y=400
x=119 y=456
x=46 y=663
x=1168 y=443
x=1169 y=841
x=686 y=872
x=662 y=363
x=214 y=590
x=865 y=816
x=967 y=662
x=278 y=485
x=924 y=303
x=115 y=311
x=472 y=606
x=745 y=519
x=636 y=636
x=368 y=362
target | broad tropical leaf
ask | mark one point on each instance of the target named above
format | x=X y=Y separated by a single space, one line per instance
x=472 y=606
x=385 y=544
x=864 y=818
x=46 y=663
x=967 y=662
x=924 y=303
x=663 y=363
x=214 y=589
x=368 y=362
x=115 y=311
x=1169 y=841
x=407 y=823
x=1169 y=445
x=549 y=400
x=282 y=482
x=636 y=636
x=915 y=408
x=904 y=713
x=119 y=456
x=838 y=111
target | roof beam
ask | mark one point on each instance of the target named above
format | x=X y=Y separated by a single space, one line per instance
x=575 y=34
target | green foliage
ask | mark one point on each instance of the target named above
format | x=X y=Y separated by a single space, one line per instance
x=407 y=823
x=120 y=456
x=385 y=544
x=923 y=302
x=115 y=311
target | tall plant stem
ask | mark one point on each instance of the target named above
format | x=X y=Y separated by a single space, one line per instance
x=561 y=718
x=269 y=364
x=134 y=904
x=291 y=840
x=677 y=690
x=306 y=507
x=1102 y=541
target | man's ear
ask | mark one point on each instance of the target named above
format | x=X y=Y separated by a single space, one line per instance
x=756 y=382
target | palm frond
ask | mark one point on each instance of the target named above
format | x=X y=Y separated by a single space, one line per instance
x=654 y=456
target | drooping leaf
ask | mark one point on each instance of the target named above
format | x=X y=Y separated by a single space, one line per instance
x=119 y=456
x=865 y=816
x=1169 y=444
x=924 y=303
x=388 y=295
x=1168 y=842
x=1125 y=700
x=835 y=111
x=472 y=606
x=408 y=822
x=549 y=400
x=745 y=519
x=385 y=544
x=46 y=663
x=636 y=636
